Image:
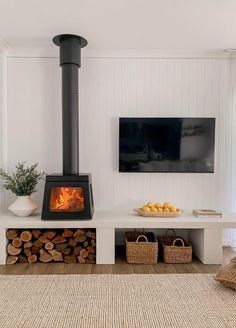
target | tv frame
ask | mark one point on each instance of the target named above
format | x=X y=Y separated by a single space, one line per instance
x=171 y=117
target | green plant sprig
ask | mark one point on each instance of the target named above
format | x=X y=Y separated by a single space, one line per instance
x=23 y=181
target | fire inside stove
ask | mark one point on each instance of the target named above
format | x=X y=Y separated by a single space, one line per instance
x=66 y=199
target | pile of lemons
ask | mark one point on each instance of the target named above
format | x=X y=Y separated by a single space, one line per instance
x=158 y=207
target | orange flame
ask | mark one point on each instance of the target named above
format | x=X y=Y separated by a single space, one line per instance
x=67 y=199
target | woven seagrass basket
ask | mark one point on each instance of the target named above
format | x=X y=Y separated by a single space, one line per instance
x=175 y=249
x=227 y=275
x=233 y=260
x=141 y=247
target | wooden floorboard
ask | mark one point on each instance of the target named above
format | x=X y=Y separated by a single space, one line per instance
x=121 y=267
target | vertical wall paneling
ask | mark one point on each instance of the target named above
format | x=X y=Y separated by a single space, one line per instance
x=34 y=115
x=3 y=120
x=111 y=88
x=230 y=235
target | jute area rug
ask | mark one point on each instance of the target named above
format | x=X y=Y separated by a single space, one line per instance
x=119 y=301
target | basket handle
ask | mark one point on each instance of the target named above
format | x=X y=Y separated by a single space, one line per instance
x=137 y=240
x=177 y=239
x=167 y=232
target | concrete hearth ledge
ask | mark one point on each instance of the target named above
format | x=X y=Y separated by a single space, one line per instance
x=205 y=234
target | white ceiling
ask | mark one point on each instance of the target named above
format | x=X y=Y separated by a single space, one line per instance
x=122 y=24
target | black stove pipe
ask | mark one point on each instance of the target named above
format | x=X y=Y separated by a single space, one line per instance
x=70 y=61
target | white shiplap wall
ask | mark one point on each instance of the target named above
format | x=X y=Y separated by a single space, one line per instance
x=231 y=234
x=153 y=87
x=111 y=88
x=3 y=110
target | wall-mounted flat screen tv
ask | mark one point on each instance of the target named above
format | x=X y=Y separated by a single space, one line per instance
x=166 y=145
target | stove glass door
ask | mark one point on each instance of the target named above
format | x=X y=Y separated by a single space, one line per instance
x=66 y=199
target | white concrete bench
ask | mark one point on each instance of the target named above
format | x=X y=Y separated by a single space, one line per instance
x=205 y=234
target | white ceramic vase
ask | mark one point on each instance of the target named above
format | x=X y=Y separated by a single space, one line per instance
x=23 y=206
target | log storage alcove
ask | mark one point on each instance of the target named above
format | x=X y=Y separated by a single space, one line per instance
x=51 y=245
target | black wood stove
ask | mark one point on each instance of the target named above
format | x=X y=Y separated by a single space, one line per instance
x=69 y=195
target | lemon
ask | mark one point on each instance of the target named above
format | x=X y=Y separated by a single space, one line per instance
x=173 y=209
x=146 y=209
x=157 y=205
x=153 y=209
x=150 y=204
x=159 y=209
x=166 y=205
x=166 y=209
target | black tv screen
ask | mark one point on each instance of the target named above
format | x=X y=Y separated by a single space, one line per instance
x=166 y=145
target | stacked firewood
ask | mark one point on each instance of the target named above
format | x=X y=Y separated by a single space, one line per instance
x=58 y=245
